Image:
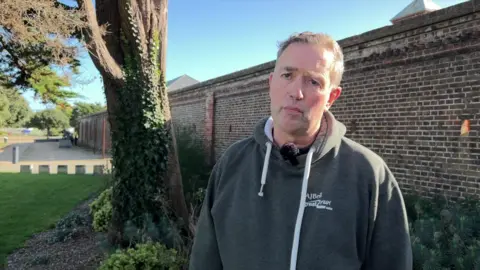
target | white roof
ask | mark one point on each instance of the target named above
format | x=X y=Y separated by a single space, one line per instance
x=416 y=7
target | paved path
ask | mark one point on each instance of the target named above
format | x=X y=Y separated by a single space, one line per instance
x=7 y=154
x=48 y=153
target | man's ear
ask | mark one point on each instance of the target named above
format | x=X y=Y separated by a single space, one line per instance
x=334 y=94
x=270 y=78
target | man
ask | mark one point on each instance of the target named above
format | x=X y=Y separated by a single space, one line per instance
x=298 y=194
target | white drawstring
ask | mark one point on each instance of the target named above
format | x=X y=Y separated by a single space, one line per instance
x=265 y=168
x=301 y=209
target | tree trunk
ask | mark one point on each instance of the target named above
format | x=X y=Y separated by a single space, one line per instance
x=131 y=58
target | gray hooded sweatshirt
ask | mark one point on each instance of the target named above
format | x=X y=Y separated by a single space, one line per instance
x=339 y=209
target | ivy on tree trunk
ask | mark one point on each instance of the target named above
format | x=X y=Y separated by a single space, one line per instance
x=131 y=58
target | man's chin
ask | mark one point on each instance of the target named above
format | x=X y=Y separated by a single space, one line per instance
x=292 y=126
x=293 y=120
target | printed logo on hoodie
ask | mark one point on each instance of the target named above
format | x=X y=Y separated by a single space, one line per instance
x=316 y=200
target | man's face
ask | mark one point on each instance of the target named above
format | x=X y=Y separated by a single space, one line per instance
x=300 y=88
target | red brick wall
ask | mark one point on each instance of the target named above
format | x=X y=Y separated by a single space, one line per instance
x=406 y=90
x=240 y=100
x=407 y=94
x=209 y=131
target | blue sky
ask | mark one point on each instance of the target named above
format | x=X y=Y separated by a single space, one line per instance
x=210 y=38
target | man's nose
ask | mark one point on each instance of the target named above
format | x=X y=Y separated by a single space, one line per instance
x=296 y=88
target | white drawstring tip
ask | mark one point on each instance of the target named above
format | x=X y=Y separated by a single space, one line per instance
x=261 y=191
x=265 y=168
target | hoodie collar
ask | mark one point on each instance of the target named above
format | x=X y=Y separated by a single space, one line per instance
x=329 y=137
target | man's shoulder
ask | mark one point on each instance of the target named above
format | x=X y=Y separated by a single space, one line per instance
x=368 y=162
x=352 y=147
x=238 y=147
x=370 y=166
x=236 y=150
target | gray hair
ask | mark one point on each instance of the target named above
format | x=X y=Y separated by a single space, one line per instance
x=337 y=69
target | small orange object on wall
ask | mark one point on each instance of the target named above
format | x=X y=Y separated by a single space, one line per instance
x=465 y=129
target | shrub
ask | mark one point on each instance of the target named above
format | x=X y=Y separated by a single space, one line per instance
x=71 y=220
x=145 y=256
x=194 y=165
x=40 y=259
x=163 y=230
x=69 y=227
x=101 y=210
x=444 y=234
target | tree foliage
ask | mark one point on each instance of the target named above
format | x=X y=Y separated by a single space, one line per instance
x=51 y=120
x=14 y=109
x=35 y=44
x=66 y=108
x=4 y=109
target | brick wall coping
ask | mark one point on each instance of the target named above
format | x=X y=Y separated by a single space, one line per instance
x=231 y=76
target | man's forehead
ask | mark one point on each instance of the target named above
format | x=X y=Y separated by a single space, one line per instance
x=312 y=59
x=301 y=69
x=320 y=70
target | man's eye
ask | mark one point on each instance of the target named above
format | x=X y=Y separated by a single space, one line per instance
x=315 y=82
x=287 y=75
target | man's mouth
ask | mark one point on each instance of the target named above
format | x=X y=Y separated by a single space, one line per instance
x=292 y=109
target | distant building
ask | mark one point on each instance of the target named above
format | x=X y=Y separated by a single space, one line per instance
x=180 y=82
x=416 y=8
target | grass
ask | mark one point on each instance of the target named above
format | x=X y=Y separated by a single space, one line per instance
x=34 y=203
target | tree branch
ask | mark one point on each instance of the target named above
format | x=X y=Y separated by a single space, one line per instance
x=15 y=59
x=101 y=57
x=108 y=16
x=77 y=34
x=23 y=73
x=66 y=7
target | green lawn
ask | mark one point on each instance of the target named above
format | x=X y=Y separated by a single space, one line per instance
x=33 y=203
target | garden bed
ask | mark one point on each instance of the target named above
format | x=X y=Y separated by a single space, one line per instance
x=32 y=204
x=74 y=246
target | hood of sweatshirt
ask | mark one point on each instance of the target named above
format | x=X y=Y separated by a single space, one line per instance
x=328 y=139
